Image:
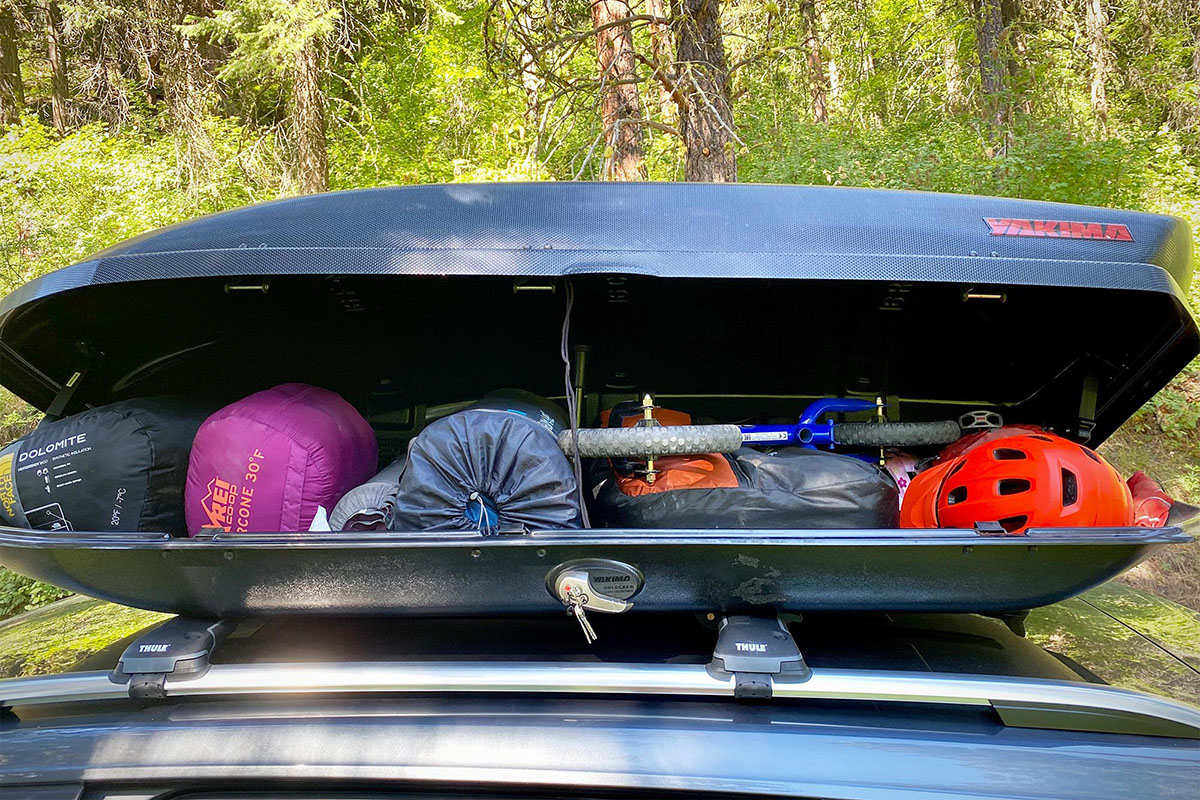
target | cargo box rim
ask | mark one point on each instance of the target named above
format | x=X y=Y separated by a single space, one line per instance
x=11 y=537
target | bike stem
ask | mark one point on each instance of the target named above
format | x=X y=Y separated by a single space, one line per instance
x=807 y=432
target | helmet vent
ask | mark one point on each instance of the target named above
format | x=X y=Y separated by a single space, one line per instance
x=1014 y=524
x=1091 y=455
x=957 y=495
x=1009 y=454
x=1013 y=486
x=1040 y=438
x=1070 y=488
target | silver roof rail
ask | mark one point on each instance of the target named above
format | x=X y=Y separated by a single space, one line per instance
x=1027 y=703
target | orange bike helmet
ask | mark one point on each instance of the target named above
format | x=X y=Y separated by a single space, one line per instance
x=1032 y=480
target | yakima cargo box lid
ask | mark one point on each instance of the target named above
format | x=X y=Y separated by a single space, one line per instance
x=443 y=293
x=412 y=302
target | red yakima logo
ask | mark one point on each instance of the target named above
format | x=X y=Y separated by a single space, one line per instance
x=1058 y=229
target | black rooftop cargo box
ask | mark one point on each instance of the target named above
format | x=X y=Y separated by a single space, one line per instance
x=729 y=299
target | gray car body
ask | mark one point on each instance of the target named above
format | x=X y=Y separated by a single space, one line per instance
x=579 y=748
x=571 y=744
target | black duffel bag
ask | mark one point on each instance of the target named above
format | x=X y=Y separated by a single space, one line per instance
x=794 y=488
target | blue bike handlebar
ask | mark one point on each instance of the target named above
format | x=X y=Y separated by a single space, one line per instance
x=808 y=431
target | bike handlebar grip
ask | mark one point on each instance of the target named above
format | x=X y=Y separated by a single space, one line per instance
x=653 y=442
x=895 y=434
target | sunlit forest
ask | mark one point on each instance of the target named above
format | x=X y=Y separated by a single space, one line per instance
x=118 y=117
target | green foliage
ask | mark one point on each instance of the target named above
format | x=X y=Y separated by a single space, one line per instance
x=16 y=417
x=63 y=199
x=420 y=107
x=267 y=34
x=18 y=593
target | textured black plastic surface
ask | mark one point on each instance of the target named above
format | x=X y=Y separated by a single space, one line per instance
x=464 y=574
x=741 y=230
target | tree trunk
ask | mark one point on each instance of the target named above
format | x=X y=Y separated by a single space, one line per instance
x=706 y=113
x=993 y=66
x=816 y=61
x=1196 y=54
x=836 y=81
x=1017 y=46
x=620 y=110
x=531 y=80
x=58 y=66
x=12 y=90
x=308 y=120
x=956 y=95
x=1097 y=21
x=189 y=95
x=660 y=51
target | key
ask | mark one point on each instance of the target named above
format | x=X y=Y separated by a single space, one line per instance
x=578 y=582
x=574 y=588
x=576 y=608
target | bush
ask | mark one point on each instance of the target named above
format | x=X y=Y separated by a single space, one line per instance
x=18 y=593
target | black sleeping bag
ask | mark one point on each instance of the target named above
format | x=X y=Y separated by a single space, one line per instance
x=119 y=467
x=493 y=467
x=793 y=488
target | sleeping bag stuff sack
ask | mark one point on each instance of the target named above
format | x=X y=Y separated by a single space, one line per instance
x=788 y=488
x=492 y=467
x=119 y=467
x=265 y=463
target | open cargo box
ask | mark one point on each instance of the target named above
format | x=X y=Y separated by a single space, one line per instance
x=727 y=300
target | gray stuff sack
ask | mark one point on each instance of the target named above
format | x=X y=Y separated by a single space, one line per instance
x=491 y=468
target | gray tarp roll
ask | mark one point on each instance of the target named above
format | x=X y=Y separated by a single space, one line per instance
x=370 y=506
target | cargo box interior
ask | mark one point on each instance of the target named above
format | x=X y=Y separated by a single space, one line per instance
x=403 y=349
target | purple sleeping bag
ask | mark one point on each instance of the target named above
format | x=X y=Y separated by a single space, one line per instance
x=266 y=462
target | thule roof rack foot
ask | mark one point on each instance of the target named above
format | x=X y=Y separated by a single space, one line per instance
x=180 y=648
x=756 y=652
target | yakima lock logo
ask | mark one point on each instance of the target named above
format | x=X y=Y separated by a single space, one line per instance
x=1058 y=229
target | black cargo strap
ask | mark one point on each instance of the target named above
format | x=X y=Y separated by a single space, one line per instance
x=1087 y=406
x=59 y=404
x=91 y=356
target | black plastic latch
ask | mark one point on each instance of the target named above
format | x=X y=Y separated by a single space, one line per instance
x=757 y=651
x=180 y=649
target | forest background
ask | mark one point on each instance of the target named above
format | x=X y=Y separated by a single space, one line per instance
x=119 y=117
